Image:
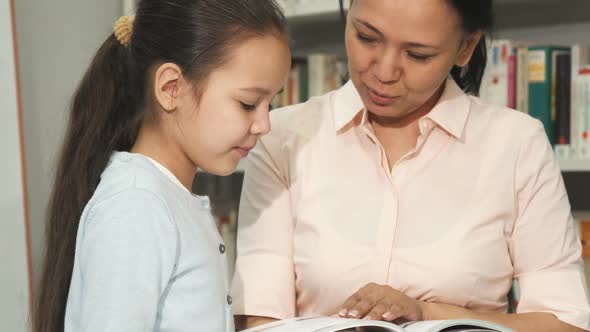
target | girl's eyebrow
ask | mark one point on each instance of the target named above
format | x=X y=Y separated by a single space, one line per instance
x=260 y=90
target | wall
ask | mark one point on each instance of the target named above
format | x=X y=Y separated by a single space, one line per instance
x=56 y=41
x=14 y=279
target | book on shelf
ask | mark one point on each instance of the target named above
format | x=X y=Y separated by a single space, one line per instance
x=542 y=86
x=562 y=107
x=584 y=231
x=498 y=84
x=522 y=79
x=579 y=112
x=582 y=112
x=314 y=75
x=336 y=324
x=549 y=83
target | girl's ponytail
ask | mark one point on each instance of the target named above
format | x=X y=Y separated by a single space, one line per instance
x=103 y=118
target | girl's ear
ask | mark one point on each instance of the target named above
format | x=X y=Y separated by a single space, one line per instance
x=166 y=86
x=467 y=49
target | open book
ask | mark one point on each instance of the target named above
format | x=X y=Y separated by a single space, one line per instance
x=333 y=324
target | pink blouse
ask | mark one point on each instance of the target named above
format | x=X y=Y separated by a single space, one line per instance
x=478 y=202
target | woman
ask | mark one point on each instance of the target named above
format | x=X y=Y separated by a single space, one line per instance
x=185 y=84
x=401 y=196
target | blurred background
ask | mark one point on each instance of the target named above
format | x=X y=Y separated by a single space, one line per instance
x=46 y=46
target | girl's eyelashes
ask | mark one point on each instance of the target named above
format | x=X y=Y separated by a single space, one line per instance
x=247 y=107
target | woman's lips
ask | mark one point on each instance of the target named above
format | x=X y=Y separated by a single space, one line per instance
x=381 y=99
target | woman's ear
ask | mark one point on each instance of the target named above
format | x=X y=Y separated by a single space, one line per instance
x=468 y=48
x=166 y=85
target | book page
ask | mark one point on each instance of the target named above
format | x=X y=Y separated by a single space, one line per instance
x=458 y=325
x=326 y=324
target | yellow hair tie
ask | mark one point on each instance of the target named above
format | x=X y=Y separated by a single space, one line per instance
x=123 y=29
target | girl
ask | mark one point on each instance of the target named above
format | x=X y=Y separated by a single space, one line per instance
x=186 y=84
x=404 y=196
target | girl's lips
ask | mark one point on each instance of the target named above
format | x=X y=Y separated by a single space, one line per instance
x=244 y=151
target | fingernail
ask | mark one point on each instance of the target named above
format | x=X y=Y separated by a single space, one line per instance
x=387 y=314
x=342 y=312
x=353 y=313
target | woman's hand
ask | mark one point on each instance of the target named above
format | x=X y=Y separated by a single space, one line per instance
x=382 y=302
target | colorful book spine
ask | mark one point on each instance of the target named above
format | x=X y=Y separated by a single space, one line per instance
x=580 y=57
x=541 y=87
x=583 y=104
x=512 y=76
x=494 y=86
x=522 y=85
x=563 y=98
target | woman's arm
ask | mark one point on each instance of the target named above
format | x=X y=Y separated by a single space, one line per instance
x=544 y=248
x=264 y=278
x=382 y=302
x=525 y=322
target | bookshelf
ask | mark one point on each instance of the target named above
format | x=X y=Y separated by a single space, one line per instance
x=509 y=13
x=574 y=165
x=317 y=27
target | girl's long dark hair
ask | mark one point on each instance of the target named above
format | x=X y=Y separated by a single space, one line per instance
x=476 y=15
x=112 y=101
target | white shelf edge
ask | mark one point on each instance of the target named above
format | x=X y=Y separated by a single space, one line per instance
x=306 y=8
x=574 y=164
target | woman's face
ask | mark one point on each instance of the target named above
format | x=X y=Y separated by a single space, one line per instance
x=401 y=51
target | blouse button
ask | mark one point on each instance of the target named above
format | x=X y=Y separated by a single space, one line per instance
x=229 y=300
x=222 y=248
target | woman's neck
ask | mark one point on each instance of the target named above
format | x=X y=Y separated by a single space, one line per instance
x=398 y=136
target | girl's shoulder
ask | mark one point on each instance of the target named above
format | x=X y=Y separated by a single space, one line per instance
x=132 y=187
x=134 y=177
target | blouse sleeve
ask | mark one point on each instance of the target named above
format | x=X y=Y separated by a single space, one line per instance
x=545 y=246
x=264 y=280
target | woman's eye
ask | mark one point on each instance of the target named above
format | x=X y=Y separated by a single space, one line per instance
x=364 y=38
x=247 y=107
x=419 y=57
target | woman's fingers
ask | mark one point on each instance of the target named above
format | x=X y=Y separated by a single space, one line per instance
x=381 y=303
x=393 y=312
x=350 y=303
x=378 y=311
x=362 y=308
